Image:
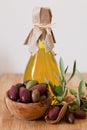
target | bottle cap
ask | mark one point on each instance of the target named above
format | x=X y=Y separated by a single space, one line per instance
x=42 y=16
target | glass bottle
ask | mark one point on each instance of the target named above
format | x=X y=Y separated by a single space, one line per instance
x=42 y=63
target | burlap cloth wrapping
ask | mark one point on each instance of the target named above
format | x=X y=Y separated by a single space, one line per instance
x=42 y=18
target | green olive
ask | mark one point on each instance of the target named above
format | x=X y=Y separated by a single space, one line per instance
x=31 y=83
x=35 y=95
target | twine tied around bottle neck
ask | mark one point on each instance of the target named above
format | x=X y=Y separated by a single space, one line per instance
x=42 y=26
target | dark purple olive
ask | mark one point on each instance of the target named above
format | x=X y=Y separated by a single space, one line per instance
x=79 y=114
x=13 y=93
x=24 y=95
x=70 y=117
x=43 y=98
x=42 y=87
x=19 y=85
x=53 y=113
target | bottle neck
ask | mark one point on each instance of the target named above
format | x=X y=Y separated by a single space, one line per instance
x=41 y=45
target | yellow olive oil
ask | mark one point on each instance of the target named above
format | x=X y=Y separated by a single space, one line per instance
x=42 y=65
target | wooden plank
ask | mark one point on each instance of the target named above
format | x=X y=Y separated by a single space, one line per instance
x=8 y=122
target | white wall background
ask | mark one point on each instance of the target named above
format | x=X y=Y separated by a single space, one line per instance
x=70 y=29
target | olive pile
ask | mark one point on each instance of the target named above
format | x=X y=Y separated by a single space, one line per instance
x=28 y=92
x=69 y=117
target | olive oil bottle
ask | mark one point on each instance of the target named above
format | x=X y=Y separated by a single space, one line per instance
x=42 y=63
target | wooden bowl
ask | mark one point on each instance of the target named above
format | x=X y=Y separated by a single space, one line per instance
x=30 y=111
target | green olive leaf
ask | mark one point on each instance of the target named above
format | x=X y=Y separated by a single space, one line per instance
x=73 y=92
x=51 y=85
x=81 y=87
x=59 y=98
x=78 y=99
x=65 y=93
x=84 y=106
x=46 y=80
x=73 y=107
x=74 y=70
x=61 y=65
x=58 y=90
x=66 y=69
x=79 y=75
x=85 y=103
x=58 y=77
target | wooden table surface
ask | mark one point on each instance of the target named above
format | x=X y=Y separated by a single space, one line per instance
x=8 y=122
